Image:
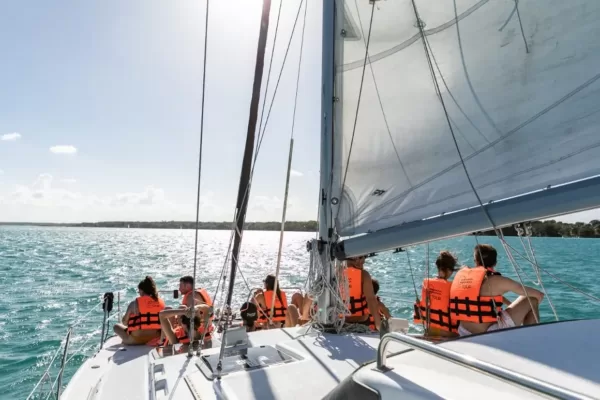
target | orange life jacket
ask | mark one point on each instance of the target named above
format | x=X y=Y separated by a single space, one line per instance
x=437 y=290
x=465 y=302
x=147 y=319
x=202 y=292
x=183 y=338
x=280 y=310
x=357 y=300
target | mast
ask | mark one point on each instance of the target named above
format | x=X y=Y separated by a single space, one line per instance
x=325 y=212
x=244 y=188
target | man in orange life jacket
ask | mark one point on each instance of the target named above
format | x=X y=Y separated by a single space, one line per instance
x=181 y=333
x=433 y=310
x=362 y=299
x=186 y=285
x=476 y=297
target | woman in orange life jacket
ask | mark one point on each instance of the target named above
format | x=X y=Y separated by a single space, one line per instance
x=477 y=295
x=436 y=295
x=181 y=333
x=383 y=310
x=282 y=313
x=362 y=300
x=140 y=323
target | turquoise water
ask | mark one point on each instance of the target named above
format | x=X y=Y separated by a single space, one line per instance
x=51 y=276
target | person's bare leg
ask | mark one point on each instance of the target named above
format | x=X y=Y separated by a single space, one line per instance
x=297 y=300
x=306 y=305
x=520 y=309
x=533 y=317
x=121 y=331
x=292 y=316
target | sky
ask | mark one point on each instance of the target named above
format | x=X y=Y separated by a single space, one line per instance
x=100 y=111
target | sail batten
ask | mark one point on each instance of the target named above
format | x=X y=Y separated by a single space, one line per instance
x=523 y=105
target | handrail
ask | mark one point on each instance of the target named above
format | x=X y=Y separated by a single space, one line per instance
x=473 y=363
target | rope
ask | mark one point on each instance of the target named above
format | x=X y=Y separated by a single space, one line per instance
x=592 y=297
x=192 y=328
x=262 y=112
x=412 y=275
x=262 y=134
x=387 y=126
x=536 y=266
x=462 y=161
x=522 y=32
x=362 y=80
x=289 y=167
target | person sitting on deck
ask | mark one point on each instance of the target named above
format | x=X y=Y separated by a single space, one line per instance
x=282 y=313
x=181 y=333
x=433 y=310
x=186 y=285
x=361 y=297
x=476 y=297
x=140 y=323
x=383 y=310
x=249 y=315
x=303 y=304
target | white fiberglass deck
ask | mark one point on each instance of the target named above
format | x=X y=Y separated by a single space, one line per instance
x=564 y=354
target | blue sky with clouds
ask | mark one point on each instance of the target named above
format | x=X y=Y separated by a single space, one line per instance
x=101 y=101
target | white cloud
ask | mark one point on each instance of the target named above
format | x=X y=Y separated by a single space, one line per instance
x=43 y=201
x=10 y=137
x=63 y=149
x=68 y=180
x=296 y=173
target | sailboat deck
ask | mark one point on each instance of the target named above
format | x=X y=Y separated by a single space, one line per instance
x=119 y=371
x=564 y=354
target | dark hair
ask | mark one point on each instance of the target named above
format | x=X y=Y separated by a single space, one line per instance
x=249 y=313
x=187 y=279
x=185 y=320
x=375 y=285
x=270 y=285
x=148 y=287
x=446 y=261
x=488 y=253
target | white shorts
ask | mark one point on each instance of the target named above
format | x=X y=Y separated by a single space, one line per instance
x=504 y=321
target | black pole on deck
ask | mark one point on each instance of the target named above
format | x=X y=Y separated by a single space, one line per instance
x=244 y=188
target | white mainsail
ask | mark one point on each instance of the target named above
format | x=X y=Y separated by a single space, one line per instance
x=523 y=104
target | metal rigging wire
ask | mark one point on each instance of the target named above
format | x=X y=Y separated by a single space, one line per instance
x=192 y=328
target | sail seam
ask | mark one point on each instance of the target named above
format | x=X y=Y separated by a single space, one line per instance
x=551 y=162
x=492 y=144
x=386 y=53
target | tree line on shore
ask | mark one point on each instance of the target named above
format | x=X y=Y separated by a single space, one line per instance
x=310 y=226
x=550 y=228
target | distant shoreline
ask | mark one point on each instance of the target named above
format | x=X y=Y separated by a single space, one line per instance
x=550 y=228
x=291 y=226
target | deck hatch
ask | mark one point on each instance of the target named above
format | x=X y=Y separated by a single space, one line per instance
x=244 y=359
